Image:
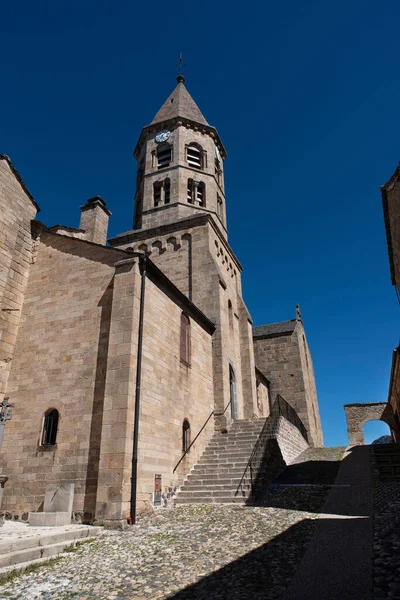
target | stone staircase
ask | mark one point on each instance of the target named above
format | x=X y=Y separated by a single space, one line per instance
x=217 y=475
x=22 y=545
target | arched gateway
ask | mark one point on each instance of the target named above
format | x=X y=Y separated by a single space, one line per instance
x=359 y=414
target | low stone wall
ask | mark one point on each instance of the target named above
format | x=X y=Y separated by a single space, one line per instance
x=282 y=439
x=290 y=441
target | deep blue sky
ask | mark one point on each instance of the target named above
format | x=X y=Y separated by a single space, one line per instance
x=306 y=99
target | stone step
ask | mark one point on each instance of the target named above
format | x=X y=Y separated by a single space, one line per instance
x=217 y=477
x=225 y=456
x=211 y=493
x=210 y=500
x=199 y=470
x=225 y=485
x=29 y=548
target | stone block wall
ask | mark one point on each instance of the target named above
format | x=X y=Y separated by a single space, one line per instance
x=202 y=265
x=289 y=438
x=171 y=392
x=60 y=362
x=286 y=361
x=16 y=252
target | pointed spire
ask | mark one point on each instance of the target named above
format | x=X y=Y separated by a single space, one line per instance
x=179 y=104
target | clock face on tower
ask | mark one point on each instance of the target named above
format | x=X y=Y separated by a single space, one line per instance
x=162 y=136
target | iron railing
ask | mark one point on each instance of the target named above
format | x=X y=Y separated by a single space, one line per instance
x=262 y=463
x=214 y=412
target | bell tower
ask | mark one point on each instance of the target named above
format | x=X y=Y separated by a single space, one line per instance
x=180 y=166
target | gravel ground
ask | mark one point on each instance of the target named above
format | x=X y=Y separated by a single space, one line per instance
x=190 y=552
x=386 y=570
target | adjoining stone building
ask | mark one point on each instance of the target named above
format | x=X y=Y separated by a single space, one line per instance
x=391 y=211
x=72 y=329
x=358 y=414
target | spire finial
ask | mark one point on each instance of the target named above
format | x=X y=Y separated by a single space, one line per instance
x=180 y=77
x=298 y=313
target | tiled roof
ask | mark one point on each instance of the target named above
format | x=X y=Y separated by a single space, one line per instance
x=273 y=329
x=179 y=104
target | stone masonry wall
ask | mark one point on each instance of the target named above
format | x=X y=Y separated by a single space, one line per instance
x=201 y=264
x=60 y=362
x=290 y=440
x=280 y=360
x=171 y=392
x=16 y=246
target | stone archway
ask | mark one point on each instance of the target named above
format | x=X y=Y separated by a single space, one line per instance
x=359 y=414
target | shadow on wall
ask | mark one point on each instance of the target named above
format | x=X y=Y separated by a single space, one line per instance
x=260 y=574
x=92 y=473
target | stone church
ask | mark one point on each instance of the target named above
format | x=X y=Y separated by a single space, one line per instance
x=87 y=328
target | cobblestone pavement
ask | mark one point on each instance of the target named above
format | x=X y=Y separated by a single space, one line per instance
x=190 y=552
x=386 y=569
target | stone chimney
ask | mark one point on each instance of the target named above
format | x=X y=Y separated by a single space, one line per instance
x=94 y=220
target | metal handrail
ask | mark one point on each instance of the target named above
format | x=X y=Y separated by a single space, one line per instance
x=280 y=408
x=214 y=412
x=267 y=420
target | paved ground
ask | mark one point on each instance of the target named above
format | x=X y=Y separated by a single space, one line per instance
x=278 y=551
x=341 y=552
x=220 y=551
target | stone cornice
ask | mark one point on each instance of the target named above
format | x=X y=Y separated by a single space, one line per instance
x=188 y=223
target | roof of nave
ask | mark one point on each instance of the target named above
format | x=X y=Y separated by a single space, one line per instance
x=274 y=329
x=179 y=104
x=19 y=179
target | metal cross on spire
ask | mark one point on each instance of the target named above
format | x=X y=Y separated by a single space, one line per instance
x=180 y=77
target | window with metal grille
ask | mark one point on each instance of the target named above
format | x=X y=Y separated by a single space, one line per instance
x=157 y=193
x=164 y=156
x=185 y=339
x=185 y=435
x=167 y=191
x=194 y=156
x=50 y=426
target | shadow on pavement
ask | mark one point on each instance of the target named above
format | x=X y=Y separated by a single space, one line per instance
x=262 y=573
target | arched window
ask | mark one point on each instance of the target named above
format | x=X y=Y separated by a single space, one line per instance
x=50 y=426
x=190 y=191
x=185 y=339
x=164 y=156
x=196 y=192
x=157 y=193
x=167 y=191
x=195 y=156
x=185 y=435
x=230 y=311
x=220 y=208
x=201 y=194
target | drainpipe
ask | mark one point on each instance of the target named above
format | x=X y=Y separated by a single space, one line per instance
x=142 y=267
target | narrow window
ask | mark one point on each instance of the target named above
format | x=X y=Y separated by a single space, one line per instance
x=190 y=190
x=201 y=194
x=194 y=157
x=220 y=210
x=157 y=193
x=164 y=156
x=167 y=191
x=50 y=426
x=185 y=339
x=185 y=435
x=230 y=311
